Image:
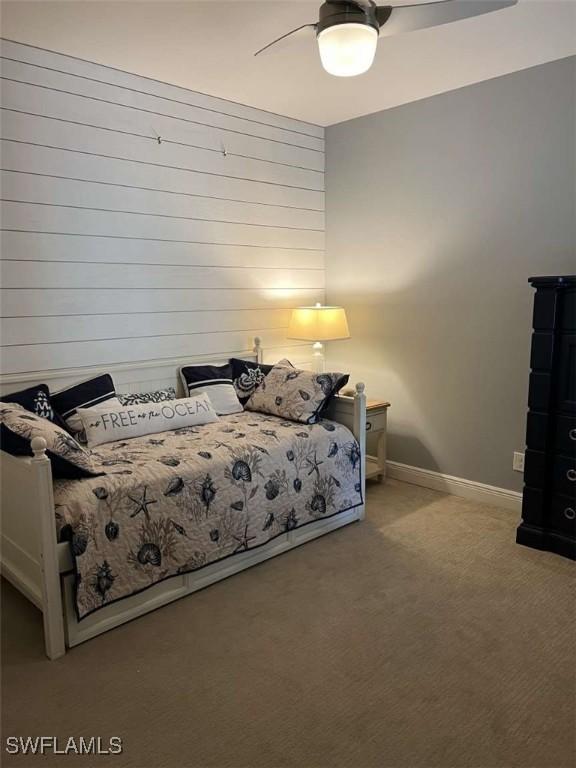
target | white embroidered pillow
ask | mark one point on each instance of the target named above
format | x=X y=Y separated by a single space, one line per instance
x=120 y=422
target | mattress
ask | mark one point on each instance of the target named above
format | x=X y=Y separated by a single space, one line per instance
x=177 y=501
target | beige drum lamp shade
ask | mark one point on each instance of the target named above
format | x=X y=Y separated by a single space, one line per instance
x=318 y=323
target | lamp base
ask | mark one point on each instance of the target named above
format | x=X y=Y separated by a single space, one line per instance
x=318 y=361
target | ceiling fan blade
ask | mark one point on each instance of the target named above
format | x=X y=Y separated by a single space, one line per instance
x=298 y=32
x=406 y=18
x=362 y=4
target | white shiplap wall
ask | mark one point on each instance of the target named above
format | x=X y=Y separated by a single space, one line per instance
x=117 y=247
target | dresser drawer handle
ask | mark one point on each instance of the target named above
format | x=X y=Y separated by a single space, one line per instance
x=572 y=434
x=569 y=513
x=368 y=426
x=571 y=475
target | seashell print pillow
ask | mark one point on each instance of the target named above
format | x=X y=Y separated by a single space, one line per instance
x=68 y=459
x=295 y=394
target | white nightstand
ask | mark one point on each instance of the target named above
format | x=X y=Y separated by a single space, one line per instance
x=376 y=413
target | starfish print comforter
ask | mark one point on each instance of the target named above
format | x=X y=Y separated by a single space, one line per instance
x=177 y=501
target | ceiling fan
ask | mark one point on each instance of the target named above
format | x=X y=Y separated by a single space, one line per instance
x=347 y=30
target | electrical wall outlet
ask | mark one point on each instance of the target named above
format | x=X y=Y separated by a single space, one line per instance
x=518 y=462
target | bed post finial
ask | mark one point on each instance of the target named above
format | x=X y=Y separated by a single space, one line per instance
x=38 y=445
x=258 y=348
x=360 y=387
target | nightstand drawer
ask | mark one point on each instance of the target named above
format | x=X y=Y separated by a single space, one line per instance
x=375 y=421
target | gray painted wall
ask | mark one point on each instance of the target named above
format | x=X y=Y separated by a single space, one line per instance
x=437 y=213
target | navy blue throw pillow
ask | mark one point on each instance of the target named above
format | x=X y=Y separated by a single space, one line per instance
x=37 y=400
x=246 y=376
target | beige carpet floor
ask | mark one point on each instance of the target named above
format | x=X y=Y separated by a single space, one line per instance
x=422 y=637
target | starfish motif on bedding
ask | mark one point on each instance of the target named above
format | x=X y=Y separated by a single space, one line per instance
x=313 y=463
x=243 y=541
x=142 y=503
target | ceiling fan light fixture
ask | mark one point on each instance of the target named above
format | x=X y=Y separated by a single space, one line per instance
x=347 y=50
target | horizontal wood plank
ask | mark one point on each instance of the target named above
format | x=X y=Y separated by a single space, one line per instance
x=45 y=189
x=46 y=330
x=81 y=138
x=76 y=220
x=133 y=100
x=44 y=302
x=72 y=111
x=61 y=162
x=85 y=69
x=47 y=357
x=126 y=277
x=30 y=246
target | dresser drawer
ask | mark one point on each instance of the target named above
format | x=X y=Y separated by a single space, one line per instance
x=535 y=468
x=540 y=391
x=542 y=350
x=565 y=441
x=545 y=308
x=375 y=421
x=537 y=430
x=566 y=382
x=565 y=476
x=563 y=516
x=533 y=506
x=569 y=311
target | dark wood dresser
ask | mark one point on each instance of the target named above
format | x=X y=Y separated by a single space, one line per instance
x=549 y=500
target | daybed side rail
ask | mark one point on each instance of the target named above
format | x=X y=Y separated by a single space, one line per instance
x=29 y=546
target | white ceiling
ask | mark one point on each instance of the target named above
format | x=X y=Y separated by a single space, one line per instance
x=208 y=46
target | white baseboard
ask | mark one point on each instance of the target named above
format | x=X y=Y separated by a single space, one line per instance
x=457 y=486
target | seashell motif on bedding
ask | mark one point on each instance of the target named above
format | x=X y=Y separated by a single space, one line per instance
x=112 y=530
x=241 y=471
x=149 y=554
x=103 y=580
x=176 y=485
x=194 y=499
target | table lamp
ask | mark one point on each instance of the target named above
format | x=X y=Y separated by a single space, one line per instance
x=318 y=324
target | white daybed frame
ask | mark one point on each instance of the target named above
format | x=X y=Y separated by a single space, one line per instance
x=41 y=568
